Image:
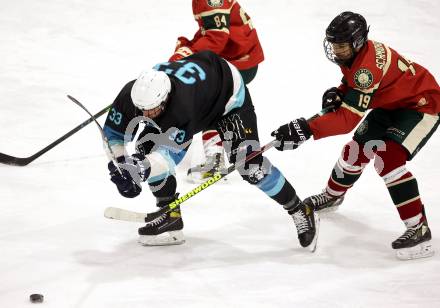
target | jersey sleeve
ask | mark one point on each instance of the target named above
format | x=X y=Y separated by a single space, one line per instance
x=214 y=18
x=324 y=126
x=118 y=128
x=343 y=86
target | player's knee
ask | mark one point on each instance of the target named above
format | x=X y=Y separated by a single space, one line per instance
x=353 y=153
x=164 y=188
x=254 y=174
x=255 y=170
x=393 y=157
x=161 y=167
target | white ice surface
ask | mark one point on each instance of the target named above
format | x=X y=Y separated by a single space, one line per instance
x=241 y=248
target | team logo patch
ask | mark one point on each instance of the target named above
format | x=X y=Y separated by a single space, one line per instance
x=215 y=3
x=363 y=78
x=362 y=128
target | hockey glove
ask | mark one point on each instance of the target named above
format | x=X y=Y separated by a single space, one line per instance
x=332 y=98
x=133 y=171
x=180 y=53
x=182 y=41
x=292 y=134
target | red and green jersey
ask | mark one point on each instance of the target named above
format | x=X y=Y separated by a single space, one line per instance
x=226 y=29
x=379 y=78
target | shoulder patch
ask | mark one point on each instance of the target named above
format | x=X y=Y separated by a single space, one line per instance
x=215 y=3
x=363 y=78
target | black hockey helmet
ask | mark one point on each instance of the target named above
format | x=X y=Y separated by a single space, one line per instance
x=347 y=27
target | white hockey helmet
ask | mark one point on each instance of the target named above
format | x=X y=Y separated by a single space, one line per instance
x=151 y=89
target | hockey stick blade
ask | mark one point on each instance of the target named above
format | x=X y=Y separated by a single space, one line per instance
x=15 y=161
x=23 y=161
x=125 y=215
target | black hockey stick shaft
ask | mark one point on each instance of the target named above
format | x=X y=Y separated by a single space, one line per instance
x=23 y=161
x=104 y=138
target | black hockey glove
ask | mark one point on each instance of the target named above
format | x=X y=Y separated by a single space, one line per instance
x=292 y=134
x=134 y=171
x=332 y=98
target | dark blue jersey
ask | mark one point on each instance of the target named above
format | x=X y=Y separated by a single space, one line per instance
x=204 y=88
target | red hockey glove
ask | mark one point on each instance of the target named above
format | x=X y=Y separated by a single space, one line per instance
x=181 y=53
x=182 y=42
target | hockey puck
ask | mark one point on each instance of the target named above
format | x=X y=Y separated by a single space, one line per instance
x=36 y=298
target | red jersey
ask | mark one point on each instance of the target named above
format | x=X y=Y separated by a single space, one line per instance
x=227 y=30
x=379 y=78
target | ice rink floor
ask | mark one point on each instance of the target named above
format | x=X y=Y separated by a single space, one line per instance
x=241 y=248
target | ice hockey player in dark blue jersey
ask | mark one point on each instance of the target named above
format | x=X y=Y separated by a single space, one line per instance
x=177 y=100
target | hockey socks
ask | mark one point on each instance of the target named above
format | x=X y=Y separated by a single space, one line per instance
x=347 y=169
x=400 y=183
x=212 y=143
x=390 y=165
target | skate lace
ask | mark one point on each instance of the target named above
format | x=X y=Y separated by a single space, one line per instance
x=321 y=198
x=157 y=221
x=409 y=233
x=300 y=220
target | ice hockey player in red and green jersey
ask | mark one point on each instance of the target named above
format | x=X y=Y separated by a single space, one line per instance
x=225 y=29
x=404 y=99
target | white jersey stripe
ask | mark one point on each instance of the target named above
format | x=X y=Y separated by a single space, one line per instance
x=422 y=129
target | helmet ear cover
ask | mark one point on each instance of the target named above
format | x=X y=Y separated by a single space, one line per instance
x=347 y=27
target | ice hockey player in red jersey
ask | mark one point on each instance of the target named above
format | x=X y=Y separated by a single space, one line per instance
x=226 y=29
x=405 y=102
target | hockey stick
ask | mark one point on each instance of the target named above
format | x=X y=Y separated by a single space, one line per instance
x=131 y=216
x=23 y=161
x=104 y=138
x=126 y=215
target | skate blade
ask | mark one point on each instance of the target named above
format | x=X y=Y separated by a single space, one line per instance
x=328 y=210
x=197 y=178
x=423 y=250
x=313 y=245
x=163 y=239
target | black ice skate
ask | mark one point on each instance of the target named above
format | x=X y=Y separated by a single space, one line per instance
x=324 y=202
x=307 y=225
x=414 y=243
x=214 y=163
x=164 y=229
